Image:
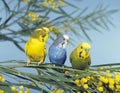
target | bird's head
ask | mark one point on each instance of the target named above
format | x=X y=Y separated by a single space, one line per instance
x=83 y=50
x=61 y=41
x=41 y=34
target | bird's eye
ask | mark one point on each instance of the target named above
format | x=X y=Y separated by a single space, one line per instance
x=80 y=53
x=63 y=38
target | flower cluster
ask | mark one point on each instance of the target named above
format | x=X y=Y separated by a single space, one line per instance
x=25 y=1
x=83 y=82
x=1 y=91
x=53 y=3
x=54 y=29
x=33 y=16
x=20 y=90
x=2 y=79
x=110 y=81
x=102 y=81
x=55 y=90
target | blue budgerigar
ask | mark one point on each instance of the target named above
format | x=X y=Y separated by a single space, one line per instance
x=57 y=51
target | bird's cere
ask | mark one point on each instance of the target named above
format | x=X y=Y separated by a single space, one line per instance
x=66 y=37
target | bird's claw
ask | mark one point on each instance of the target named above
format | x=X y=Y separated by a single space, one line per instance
x=40 y=62
x=28 y=62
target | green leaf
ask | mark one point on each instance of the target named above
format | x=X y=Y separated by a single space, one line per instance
x=84 y=31
x=71 y=5
x=93 y=27
x=65 y=13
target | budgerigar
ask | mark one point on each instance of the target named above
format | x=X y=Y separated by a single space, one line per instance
x=80 y=56
x=57 y=51
x=35 y=47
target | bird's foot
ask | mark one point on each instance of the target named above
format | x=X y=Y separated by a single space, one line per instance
x=53 y=65
x=28 y=62
x=40 y=62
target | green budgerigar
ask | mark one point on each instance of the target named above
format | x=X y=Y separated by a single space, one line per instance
x=80 y=56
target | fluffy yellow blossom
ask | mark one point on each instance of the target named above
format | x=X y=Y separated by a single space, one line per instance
x=66 y=72
x=26 y=1
x=3 y=80
x=21 y=87
x=103 y=79
x=20 y=91
x=56 y=30
x=78 y=92
x=111 y=86
x=84 y=80
x=100 y=68
x=27 y=91
x=0 y=77
x=53 y=3
x=118 y=87
x=44 y=3
x=76 y=75
x=17 y=91
x=88 y=77
x=51 y=27
x=107 y=71
x=13 y=88
x=1 y=91
x=33 y=16
x=78 y=82
x=100 y=89
x=85 y=86
x=57 y=91
x=100 y=83
x=61 y=2
x=108 y=75
x=50 y=2
x=117 y=78
x=100 y=72
x=111 y=81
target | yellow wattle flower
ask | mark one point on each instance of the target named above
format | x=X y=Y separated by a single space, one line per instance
x=13 y=88
x=26 y=1
x=100 y=89
x=85 y=86
x=33 y=16
x=1 y=91
x=21 y=87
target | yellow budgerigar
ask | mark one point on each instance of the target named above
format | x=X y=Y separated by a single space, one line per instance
x=80 y=56
x=35 y=47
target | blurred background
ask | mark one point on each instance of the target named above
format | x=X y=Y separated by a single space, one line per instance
x=105 y=44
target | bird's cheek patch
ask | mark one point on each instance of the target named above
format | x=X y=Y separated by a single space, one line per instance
x=81 y=55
